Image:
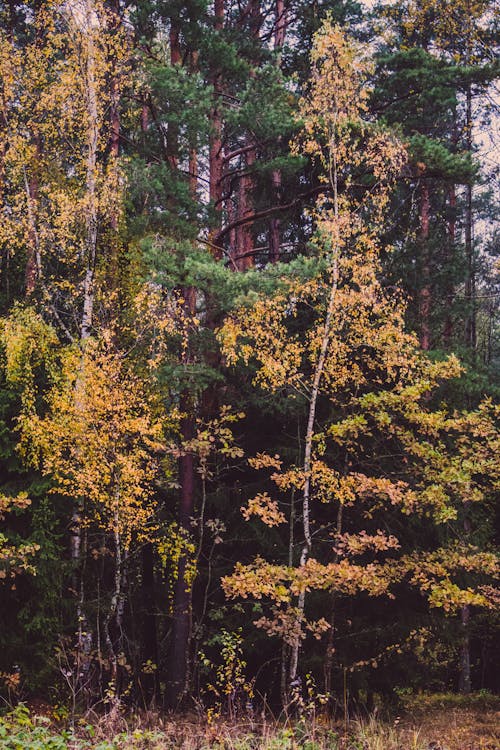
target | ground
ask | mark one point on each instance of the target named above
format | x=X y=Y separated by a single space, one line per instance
x=424 y=723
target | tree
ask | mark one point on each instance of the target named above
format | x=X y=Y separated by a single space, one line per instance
x=337 y=340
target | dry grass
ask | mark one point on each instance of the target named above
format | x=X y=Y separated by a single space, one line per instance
x=459 y=728
x=430 y=726
x=438 y=728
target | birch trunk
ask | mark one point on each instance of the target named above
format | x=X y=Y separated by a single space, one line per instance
x=306 y=520
x=318 y=372
x=425 y=292
x=84 y=636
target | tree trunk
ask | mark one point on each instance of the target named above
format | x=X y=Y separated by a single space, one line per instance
x=181 y=629
x=280 y=26
x=425 y=292
x=330 y=647
x=243 y=258
x=173 y=128
x=89 y=257
x=470 y=282
x=465 y=676
x=149 y=677
x=318 y=372
x=90 y=249
x=450 y=245
x=215 y=156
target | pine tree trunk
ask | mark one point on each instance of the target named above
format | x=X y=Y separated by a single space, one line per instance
x=215 y=149
x=149 y=679
x=243 y=258
x=179 y=659
x=280 y=26
x=465 y=675
x=450 y=245
x=181 y=627
x=470 y=281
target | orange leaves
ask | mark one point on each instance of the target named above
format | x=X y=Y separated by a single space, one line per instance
x=281 y=584
x=358 y=544
x=264 y=461
x=265 y=508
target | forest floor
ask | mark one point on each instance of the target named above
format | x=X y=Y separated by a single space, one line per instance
x=432 y=725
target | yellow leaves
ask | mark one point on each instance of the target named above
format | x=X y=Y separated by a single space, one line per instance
x=213 y=438
x=14 y=559
x=261 y=334
x=174 y=546
x=318 y=627
x=100 y=440
x=280 y=584
x=264 y=461
x=459 y=27
x=9 y=502
x=367 y=341
x=338 y=339
x=29 y=343
x=433 y=573
x=167 y=318
x=265 y=508
x=257 y=580
x=51 y=129
x=337 y=93
x=358 y=544
x=335 y=134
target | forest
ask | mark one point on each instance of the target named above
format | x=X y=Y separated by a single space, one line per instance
x=249 y=354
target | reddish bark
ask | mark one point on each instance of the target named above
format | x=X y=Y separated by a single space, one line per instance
x=448 y=322
x=173 y=129
x=243 y=252
x=280 y=27
x=179 y=661
x=181 y=625
x=215 y=143
x=243 y=256
x=470 y=281
x=149 y=680
x=267 y=212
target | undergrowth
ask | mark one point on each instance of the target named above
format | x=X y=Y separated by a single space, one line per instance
x=460 y=727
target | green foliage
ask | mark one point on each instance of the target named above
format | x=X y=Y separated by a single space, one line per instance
x=181 y=187
x=19 y=731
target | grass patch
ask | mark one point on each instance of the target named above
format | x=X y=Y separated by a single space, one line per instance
x=437 y=723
